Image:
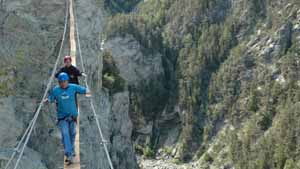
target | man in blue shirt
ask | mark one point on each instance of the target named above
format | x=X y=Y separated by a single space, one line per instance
x=64 y=96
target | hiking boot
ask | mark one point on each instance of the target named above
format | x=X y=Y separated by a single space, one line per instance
x=69 y=160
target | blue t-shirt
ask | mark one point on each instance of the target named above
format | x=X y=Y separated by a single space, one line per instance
x=65 y=98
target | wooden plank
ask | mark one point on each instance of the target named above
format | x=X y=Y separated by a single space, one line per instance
x=76 y=164
x=72 y=34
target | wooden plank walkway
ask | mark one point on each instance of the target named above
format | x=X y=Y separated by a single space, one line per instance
x=76 y=164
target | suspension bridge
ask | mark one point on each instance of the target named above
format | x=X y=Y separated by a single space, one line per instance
x=74 y=41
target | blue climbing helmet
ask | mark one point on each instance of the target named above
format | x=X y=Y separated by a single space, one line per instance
x=63 y=77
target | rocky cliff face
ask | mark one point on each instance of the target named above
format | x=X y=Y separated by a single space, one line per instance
x=30 y=34
x=229 y=74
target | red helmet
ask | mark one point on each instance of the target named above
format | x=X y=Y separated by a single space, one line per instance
x=67 y=58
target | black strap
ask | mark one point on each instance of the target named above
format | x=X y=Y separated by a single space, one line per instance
x=68 y=118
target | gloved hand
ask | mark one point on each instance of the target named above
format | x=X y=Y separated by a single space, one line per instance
x=88 y=93
x=46 y=101
x=83 y=74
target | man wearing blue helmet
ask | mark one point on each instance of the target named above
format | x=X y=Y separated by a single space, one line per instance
x=64 y=96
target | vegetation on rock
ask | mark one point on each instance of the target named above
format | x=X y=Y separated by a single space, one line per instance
x=236 y=64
